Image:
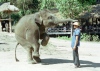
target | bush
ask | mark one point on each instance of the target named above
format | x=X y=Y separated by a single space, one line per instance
x=84 y=37
x=95 y=38
x=88 y=37
x=64 y=38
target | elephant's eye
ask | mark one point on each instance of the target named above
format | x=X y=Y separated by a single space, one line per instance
x=50 y=17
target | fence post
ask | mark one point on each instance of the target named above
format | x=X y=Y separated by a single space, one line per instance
x=0 y=26
x=71 y=30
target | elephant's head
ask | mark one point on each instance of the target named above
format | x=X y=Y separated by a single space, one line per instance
x=48 y=19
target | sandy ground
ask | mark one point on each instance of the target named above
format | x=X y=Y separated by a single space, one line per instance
x=56 y=56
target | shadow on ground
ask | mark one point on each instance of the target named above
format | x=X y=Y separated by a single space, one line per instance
x=54 y=61
x=84 y=63
x=4 y=43
x=89 y=64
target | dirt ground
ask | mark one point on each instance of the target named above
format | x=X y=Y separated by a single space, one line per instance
x=56 y=56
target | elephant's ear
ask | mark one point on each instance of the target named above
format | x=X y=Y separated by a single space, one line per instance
x=38 y=19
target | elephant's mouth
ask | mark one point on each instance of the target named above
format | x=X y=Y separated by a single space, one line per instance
x=52 y=24
x=40 y=25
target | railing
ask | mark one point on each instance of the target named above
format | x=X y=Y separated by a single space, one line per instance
x=58 y=31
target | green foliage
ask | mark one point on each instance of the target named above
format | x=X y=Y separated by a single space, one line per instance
x=87 y=1
x=15 y=18
x=69 y=8
x=95 y=38
x=88 y=37
x=64 y=37
x=85 y=37
x=27 y=6
x=47 y=4
x=4 y=0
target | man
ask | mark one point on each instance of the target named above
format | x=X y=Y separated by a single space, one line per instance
x=75 y=43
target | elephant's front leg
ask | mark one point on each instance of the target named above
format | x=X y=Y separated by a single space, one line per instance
x=45 y=39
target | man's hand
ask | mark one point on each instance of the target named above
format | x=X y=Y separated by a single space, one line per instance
x=74 y=48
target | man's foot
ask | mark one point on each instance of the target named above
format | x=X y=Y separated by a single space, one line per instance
x=77 y=66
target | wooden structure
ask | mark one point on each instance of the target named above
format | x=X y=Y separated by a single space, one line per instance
x=8 y=9
x=6 y=26
x=65 y=29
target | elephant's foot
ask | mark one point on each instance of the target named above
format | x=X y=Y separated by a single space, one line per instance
x=32 y=62
x=37 y=59
x=44 y=42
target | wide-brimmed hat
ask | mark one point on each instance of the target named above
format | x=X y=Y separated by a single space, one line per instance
x=76 y=23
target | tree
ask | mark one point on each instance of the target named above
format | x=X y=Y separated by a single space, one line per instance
x=69 y=8
x=87 y=1
x=27 y=6
x=47 y=4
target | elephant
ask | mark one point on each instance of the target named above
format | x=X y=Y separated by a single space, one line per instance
x=31 y=28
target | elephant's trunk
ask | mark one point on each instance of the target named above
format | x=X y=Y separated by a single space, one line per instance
x=65 y=20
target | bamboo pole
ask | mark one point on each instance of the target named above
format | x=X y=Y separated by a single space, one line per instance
x=0 y=26
x=9 y=25
x=71 y=30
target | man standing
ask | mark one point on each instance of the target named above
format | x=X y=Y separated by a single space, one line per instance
x=75 y=43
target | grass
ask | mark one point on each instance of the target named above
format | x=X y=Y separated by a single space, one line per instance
x=64 y=38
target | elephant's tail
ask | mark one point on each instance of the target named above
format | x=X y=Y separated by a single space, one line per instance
x=15 y=53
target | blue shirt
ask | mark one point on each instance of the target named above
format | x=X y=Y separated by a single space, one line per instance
x=76 y=32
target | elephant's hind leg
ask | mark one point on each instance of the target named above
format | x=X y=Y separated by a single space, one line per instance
x=27 y=46
x=33 y=38
x=36 y=55
x=36 y=49
x=29 y=55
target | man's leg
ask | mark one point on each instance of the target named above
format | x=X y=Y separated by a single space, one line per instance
x=76 y=57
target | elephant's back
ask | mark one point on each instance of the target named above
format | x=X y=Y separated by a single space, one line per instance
x=26 y=22
x=19 y=29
